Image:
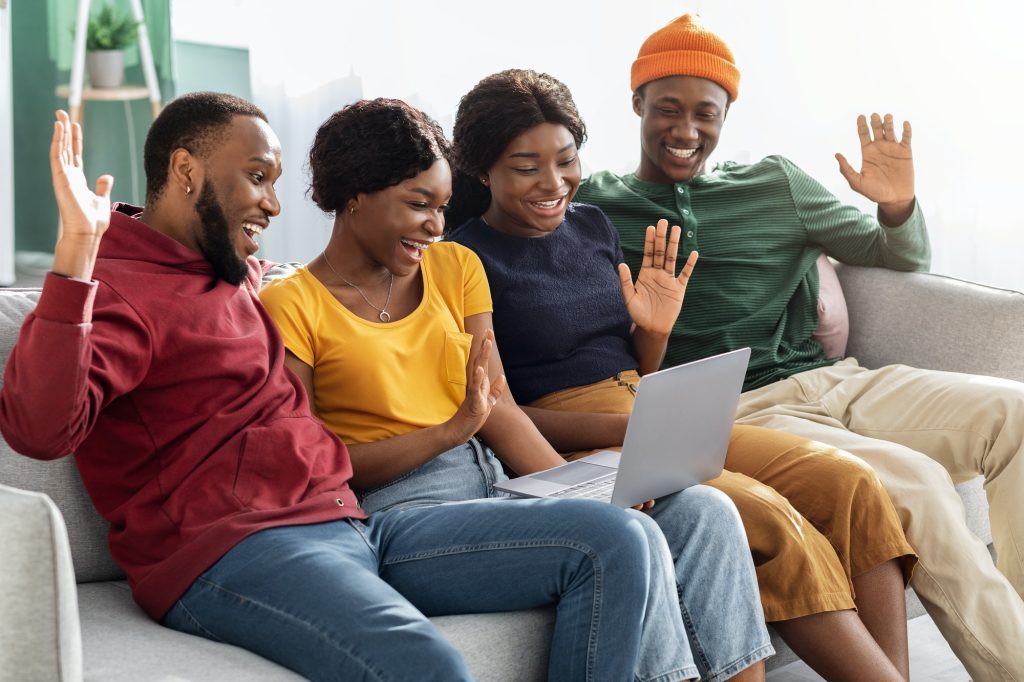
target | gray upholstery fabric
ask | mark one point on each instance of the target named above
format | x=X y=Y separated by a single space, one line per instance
x=933 y=322
x=929 y=321
x=122 y=644
x=494 y=644
x=39 y=629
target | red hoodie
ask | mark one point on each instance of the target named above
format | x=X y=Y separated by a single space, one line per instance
x=169 y=386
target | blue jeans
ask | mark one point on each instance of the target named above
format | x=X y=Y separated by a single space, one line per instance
x=717 y=586
x=715 y=582
x=350 y=600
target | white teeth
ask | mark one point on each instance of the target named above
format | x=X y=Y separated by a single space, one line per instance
x=419 y=245
x=681 y=153
x=547 y=204
x=252 y=229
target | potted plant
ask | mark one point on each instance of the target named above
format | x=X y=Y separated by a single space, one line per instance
x=109 y=32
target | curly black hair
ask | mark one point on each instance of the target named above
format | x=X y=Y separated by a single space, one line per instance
x=191 y=122
x=371 y=145
x=495 y=112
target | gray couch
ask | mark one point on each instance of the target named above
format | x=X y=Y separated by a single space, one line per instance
x=66 y=612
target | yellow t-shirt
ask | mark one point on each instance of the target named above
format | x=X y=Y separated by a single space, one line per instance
x=373 y=380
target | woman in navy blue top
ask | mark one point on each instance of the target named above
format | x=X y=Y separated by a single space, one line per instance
x=576 y=333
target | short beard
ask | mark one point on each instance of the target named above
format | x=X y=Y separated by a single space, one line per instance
x=215 y=241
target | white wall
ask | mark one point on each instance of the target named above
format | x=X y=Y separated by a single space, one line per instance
x=6 y=150
x=808 y=68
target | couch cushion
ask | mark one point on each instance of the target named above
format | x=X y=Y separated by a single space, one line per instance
x=122 y=643
x=833 y=328
x=39 y=632
x=59 y=479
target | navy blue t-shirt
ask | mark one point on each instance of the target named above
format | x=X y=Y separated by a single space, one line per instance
x=559 y=318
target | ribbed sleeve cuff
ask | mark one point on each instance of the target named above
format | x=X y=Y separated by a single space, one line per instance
x=66 y=300
x=916 y=216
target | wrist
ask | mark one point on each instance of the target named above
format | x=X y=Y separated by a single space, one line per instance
x=75 y=257
x=450 y=434
x=894 y=214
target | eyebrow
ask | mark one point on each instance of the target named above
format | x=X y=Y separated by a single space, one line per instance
x=534 y=155
x=668 y=99
x=424 y=191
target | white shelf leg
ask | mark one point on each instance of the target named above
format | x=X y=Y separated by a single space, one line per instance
x=146 y=55
x=78 y=62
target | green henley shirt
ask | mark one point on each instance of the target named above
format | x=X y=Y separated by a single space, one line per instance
x=759 y=229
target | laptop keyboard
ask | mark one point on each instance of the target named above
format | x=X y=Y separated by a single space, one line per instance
x=591 y=490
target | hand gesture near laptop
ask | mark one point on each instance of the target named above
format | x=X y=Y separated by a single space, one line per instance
x=481 y=394
x=656 y=298
x=84 y=214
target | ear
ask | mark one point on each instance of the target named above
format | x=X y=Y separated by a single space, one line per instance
x=485 y=179
x=638 y=104
x=185 y=174
x=353 y=204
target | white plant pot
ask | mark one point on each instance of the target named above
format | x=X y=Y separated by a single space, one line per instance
x=106 y=68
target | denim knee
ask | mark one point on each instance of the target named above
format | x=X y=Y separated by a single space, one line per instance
x=701 y=510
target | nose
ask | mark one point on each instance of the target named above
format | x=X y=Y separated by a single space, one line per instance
x=686 y=129
x=434 y=224
x=270 y=205
x=550 y=178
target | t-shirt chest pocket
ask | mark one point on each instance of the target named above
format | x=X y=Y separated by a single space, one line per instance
x=456 y=354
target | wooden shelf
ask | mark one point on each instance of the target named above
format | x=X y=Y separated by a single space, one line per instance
x=124 y=92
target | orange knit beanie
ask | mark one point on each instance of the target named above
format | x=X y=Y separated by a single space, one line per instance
x=684 y=48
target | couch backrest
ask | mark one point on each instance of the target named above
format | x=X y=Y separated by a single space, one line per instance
x=87 y=531
x=933 y=322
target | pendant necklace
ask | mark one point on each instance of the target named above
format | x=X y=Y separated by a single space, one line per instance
x=382 y=313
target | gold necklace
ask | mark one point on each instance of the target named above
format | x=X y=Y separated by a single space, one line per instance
x=382 y=313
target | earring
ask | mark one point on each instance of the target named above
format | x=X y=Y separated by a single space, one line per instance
x=351 y=210
x=188 y=190
x=487 y=183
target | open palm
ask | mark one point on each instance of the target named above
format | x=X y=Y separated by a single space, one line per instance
x=887 y=166
x=656 y=298
x=84 y=214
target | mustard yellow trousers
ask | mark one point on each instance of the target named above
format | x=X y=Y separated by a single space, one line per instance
x=815 y=517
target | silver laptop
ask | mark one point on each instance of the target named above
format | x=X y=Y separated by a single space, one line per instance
x=677 y=436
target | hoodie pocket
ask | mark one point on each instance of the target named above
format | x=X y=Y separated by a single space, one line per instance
x=273 y=472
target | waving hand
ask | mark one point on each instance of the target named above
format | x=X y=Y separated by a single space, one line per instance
x=887 y=164
x=656 y=298
x=84 y=214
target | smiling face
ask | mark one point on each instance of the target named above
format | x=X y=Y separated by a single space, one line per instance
x=395 y=225
x=237 y=198
x=533 y=181
x=681 y=120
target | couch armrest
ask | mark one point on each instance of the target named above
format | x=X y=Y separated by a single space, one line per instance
x=934 y=322
x=40 y=634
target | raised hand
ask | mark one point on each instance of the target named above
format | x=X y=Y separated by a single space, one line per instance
x=656 y=298
x=887 y=164
x=84 y=214
x=481 y=394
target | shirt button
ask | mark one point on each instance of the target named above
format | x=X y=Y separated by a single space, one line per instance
x=681 y=190
x=341 y=502
x=689 y=233
x=686 y=211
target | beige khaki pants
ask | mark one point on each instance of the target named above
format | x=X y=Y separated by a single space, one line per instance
x=921 y=430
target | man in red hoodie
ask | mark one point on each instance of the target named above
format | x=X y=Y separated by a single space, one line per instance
x=150 y=357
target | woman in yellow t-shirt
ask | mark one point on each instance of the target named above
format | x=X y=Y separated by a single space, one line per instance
x=390 y=332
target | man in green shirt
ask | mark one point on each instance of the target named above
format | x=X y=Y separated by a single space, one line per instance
x=759 y=229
